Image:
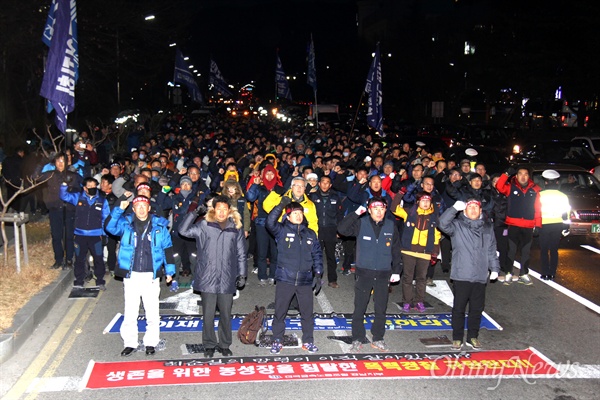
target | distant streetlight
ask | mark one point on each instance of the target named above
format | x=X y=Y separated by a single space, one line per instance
x=173 y=45
x=389 y=55
x=149 y=17
x=191 y=66
x=185 y=58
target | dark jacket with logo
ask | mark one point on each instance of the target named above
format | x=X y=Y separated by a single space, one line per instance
x=374 y=245
x=329 y=212
x=90 y=213
x=299 y=254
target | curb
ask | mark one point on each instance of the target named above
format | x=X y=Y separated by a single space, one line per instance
x=32 y=314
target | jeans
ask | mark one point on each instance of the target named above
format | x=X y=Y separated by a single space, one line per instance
x=94 y=245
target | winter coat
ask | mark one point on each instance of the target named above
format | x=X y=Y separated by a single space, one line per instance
x=221 y=253
x=473 y=246
x=299 y=253
x=524 y=206
x=119 y=224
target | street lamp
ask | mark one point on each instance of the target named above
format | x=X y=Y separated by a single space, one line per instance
x=149 y=17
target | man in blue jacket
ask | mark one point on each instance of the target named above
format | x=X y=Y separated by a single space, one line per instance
x=299 y=269
x=145 y=248
x=91 y=209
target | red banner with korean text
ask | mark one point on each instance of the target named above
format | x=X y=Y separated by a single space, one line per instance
x=483 y=364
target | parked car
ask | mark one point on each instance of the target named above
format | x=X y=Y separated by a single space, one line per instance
x=557 y=151
x=583 y=190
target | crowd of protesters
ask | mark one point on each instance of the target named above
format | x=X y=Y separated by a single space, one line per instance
x=261 y=167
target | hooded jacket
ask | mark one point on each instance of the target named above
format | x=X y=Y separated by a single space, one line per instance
x=473 y=246
x=221 y=252
x=162 y=248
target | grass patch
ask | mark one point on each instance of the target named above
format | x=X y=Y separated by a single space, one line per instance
x=17 y=289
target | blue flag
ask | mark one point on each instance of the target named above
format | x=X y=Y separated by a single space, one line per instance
x=312 y=72
x=217 y=80
x=373 y=89
x=183 y=75
x=283 y=89
x=62 y=65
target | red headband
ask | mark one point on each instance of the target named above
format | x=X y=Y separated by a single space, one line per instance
x=143 y=199
x=377 y=204
x=425 y=197
x=474 y=202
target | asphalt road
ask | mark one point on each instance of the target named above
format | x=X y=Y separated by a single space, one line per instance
x=53 y=362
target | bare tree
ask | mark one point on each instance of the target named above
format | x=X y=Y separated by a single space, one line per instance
x=32 y=184
x=56 y=142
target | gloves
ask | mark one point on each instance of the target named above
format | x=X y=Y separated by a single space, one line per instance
x=565 y=232
x=493 y=276
x=166 y=189
x=392 y=175
x=285 y=201
x=433 y=260
x=395 y=278
x=361 y=210
x=279 y=190
x=240 y=282
x=316 y=285
x=201 y=209
x=536 y=232
x=459 y=205
x=511 y=171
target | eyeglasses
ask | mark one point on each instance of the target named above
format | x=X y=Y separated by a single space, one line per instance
x=297 y=185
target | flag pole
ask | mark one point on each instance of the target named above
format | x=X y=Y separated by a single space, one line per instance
x=357 y=109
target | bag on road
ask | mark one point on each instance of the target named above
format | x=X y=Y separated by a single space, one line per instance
x=252 y=326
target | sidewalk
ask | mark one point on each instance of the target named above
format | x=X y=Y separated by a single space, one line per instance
x=32 y=314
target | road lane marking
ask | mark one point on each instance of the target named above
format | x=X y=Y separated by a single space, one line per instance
x=581 y=300
x=68 y=342
x=327 y=308
x=590 y=248
x=47 y=352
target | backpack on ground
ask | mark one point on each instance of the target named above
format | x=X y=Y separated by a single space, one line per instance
x=252 y=326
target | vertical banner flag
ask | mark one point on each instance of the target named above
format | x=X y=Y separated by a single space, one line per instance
x=283 y=89
x=217 y=80
x=62 y=65
x=312 y=72
x=373 y=89
x=183 y=75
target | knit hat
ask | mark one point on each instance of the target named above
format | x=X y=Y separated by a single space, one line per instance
x=185 y=178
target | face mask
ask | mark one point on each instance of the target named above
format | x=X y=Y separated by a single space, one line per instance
x=185 y=193
x=346 y=154
x=318 y=141
x=155 y=178
x=92 y=191
x=142 y=156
